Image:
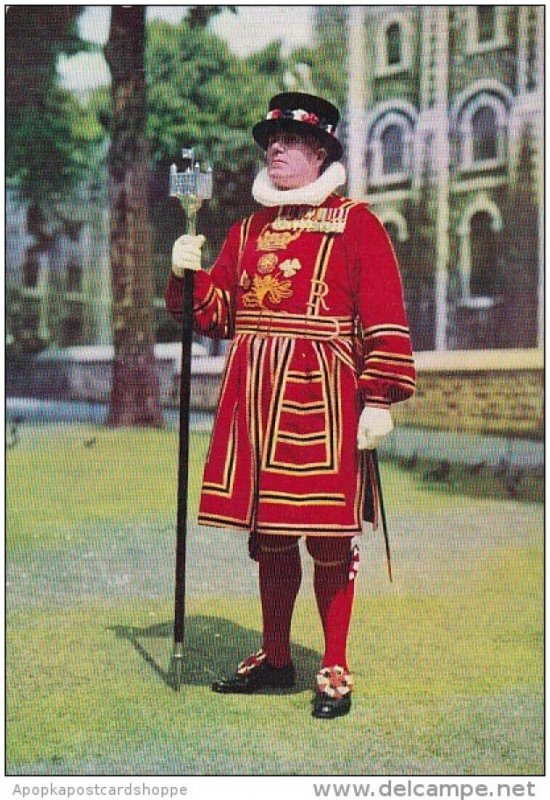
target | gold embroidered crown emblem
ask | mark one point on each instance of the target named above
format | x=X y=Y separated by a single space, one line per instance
x=274 y=240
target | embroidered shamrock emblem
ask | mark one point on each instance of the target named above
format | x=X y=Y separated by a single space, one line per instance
x=290 y=267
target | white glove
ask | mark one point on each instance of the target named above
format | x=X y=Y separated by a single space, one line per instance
x=186 y=254
x=374 y=424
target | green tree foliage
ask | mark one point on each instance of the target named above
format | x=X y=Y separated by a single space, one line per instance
x=200 y=94
x=200 y=16
x=328 y=59
x=47 y=131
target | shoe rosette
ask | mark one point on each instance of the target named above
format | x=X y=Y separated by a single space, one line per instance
x=334 y=681
x=250 y=663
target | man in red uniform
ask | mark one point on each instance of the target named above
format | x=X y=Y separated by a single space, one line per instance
x=303 y=396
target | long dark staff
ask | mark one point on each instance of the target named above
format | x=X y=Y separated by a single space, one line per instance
x=191 y=187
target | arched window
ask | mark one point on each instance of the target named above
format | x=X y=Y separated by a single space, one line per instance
x=484 y=134
x=483 y=255
x=480 y=242
x=393 y=44
x=486 y=28
x=486 y=23
x=393 y=150
x=481 y=125
x=390 y=145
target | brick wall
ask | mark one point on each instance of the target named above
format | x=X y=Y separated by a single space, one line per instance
x=499 y=392
x=493 y=392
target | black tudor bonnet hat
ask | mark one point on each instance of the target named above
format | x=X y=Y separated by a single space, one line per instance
x=301 y=113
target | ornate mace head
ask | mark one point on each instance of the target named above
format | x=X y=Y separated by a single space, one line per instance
x=191 y=186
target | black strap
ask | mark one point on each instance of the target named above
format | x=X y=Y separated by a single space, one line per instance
x=382 y=510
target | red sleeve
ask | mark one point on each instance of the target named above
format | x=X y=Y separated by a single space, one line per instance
x=388 y=372
x=215 y=292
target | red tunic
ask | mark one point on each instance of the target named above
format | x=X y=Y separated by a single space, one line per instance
x=291 y=287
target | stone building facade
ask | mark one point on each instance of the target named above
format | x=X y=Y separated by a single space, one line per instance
x=444 y=137
x=58 y=273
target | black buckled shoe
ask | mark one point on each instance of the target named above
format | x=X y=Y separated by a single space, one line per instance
x=256 y=673
x=333 y=697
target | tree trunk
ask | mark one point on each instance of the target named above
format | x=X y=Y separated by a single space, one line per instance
x=135 y=398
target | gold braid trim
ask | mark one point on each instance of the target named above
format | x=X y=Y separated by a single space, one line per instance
x=330 y=563
x=266 y=549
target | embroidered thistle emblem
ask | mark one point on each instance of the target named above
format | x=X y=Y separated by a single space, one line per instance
x=290 y=267
x=267 y=287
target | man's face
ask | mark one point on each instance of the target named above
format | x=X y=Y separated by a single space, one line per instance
x=293 y=160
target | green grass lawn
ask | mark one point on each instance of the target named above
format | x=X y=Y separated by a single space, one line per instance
x=448 y=671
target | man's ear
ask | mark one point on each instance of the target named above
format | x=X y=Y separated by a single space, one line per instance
x=322 y=155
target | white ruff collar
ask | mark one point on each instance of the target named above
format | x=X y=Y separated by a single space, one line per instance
x=266 y=193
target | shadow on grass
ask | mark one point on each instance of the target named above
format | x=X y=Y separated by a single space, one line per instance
x=213 y=648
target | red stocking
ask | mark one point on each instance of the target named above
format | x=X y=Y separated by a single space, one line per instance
x=280 y=577
x=334 y=592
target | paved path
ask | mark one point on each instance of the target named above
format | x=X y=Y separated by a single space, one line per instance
x=458 y=448
x=137 y=560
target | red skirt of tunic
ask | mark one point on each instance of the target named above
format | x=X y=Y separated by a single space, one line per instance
x=283 y=457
